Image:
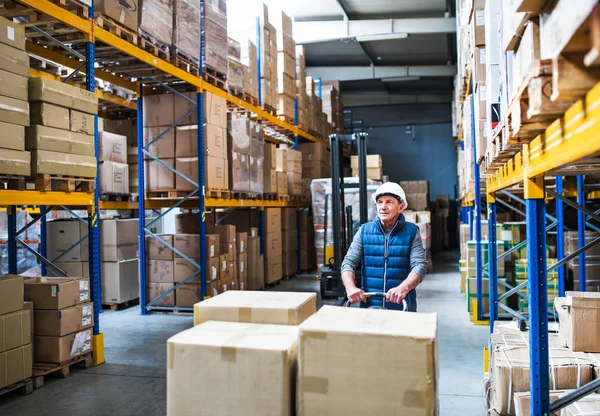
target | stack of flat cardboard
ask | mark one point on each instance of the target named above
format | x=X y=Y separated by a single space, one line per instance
x=63 y=317
x=286 y=66
x=289 y=241
x=316 y=164
x=268 y=61
x=61 y=138
x=16 y=328
x=374 y=169
x=301 y=94
x=273 y=245
x=14 y=108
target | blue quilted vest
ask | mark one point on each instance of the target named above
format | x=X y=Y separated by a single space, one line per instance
x=381 y=273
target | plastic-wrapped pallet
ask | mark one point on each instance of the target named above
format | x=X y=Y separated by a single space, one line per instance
x=215 y=35
x=156 y=21
x=186 y=33
x=256 y=158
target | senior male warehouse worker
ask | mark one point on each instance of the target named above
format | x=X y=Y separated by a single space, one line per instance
x=391 y=252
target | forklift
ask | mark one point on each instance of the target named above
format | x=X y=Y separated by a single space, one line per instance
x=343 y=228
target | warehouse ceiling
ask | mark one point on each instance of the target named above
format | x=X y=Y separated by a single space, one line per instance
x=383 y=51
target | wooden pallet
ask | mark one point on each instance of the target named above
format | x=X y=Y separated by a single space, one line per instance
x=154 y=47
x=13 y=182
x=73 y=6
x=41 y=370
x=246 y=195
x=46 y=182
x=270 y=196
x=272 y=284
x=25 y=387
x=250 y=99
x=215 y=78
x=117 y=29
x=181 y=61
x=117 y=197
x=283 y=197
x=170 y=194
x=285 y=118
x=217 y=193
x=269 y=109
x=122 y=305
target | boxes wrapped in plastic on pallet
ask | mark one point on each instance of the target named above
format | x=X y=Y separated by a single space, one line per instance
x=156 y=21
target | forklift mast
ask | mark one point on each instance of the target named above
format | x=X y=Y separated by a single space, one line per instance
x=341 y=215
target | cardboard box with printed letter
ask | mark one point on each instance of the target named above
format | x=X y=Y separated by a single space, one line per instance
x=60 y=349
x=57 y=292
x=157 y=289
x=58 y=323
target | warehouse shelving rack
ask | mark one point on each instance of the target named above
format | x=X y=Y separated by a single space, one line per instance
x=570 y=142
x=167 y=76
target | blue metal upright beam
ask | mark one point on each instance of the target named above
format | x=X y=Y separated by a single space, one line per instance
x=12 y=239
x=493 y=261
x=538 y=298
x=43 y=250
x=142 y=202
x=201 y=181
x=560 y=236
x=476 y=215
x=93 y=217
x=581 y=232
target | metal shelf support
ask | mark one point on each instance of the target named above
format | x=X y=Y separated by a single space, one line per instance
x=538 y=297
x=142 y=203
x=493 y=260
x=581 y=231
x=476 y=218
x=560 y=237
x=201 y=182
x=12 y=239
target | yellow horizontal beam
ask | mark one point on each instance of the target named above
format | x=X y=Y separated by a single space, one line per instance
x=8 y=197
x=59 y=13
x=511 y=173
x=67 y=62
x=569 y=139
x=208 y=203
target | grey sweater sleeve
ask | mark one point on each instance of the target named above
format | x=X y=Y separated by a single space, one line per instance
x=354 y=254
x=418 y=259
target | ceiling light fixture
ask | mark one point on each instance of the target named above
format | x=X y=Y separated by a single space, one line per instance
x=381 y=36
x=400 y=79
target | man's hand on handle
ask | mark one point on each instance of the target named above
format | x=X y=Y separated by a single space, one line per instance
x=356 y=295
x=397 y=294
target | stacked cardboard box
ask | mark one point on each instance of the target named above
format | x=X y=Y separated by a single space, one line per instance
x=60 y=236
x=114 y=170
x=245 y=144
x=270 y=168
x=156 y=21
x=316 y=162
x=179 y=147
x=289 y=241
x=228 y=256
x=592 y=260
x=16 y=322
x=281 y=166
x=236 y=71
x=286 y=66
x=14 y=108
x=423 y=220
x=301 y=94
x=268 y=61
x=242 y=260
x=160 y=276
x=273 y=245
x=63 y=317
x=289 y=171
x=248 y=59
x=374 y=168
x=417 y=194
x=308 y=253
x=332 y=106
x=256 y=274
x=125 y=14
x=132 y=162
x=314 y=105
x=61 y=138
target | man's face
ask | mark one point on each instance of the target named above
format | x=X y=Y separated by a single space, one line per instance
x=388 y=207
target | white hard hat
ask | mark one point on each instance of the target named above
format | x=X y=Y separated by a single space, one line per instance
x=391 y=188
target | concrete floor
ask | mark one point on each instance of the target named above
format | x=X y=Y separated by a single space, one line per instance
x=133 y=380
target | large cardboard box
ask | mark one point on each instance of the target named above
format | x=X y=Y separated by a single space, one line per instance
x=187 y=223
x=163 y=148
x=158 y=110
x=187 y=244
x=241 y=242
x=156 y=250
x=270 y=182
x=57 y=140
x=81 y=122
x=114 y=178
x=119 y=239
x=57 y=323
x=183 y=107
x=183 y=269
x=283 y=308
x=239 y=176
x=227 y=233
x=282 y=183
x=49 y=115
x=14 y=60
x=12 y=136
x=579 y=317
x=273 y=220
x=16 y=364
x=270 y=156
x=15 y=329
x=157 y=289
x=186 y=141
x=60 y=237
x=224 y=272
x=159 y=271
x=12 y=34
x=215 y=110
x=373 y=161
x=120 y=281
x=367 y=337
x=67 y=164
x=57 y=292
x=65 y=95
x=11 y=293
x=61 y=349
x=158 y=177
x=188 y=166
x=212 y=245
x=15 y=162
x=216 y=173
x=14 y=111
x=273 y=269
x=187 y=295
x=125 y=13
x=113 y=147
x=219 y=349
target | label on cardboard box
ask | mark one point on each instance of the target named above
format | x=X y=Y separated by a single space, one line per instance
x=480 y=18
x=82 y=343
x=84 y=290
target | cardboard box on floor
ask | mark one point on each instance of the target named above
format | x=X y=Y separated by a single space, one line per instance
x=120 y=281
x=187 y=295
x=283 y=308
x=579 y=317
x=119 y=240
x=15 y=329
x=157 y=289
x=218 y=349
x=61 y=349
x=57 y=323
x=367 y=337
x=11 y=293
x=16 y=365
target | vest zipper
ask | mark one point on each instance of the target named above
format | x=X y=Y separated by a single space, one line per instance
x=385 y=258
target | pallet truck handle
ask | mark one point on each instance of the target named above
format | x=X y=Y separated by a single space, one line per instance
x=381 y=294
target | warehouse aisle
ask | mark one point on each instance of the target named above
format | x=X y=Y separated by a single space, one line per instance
x=133 y=381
